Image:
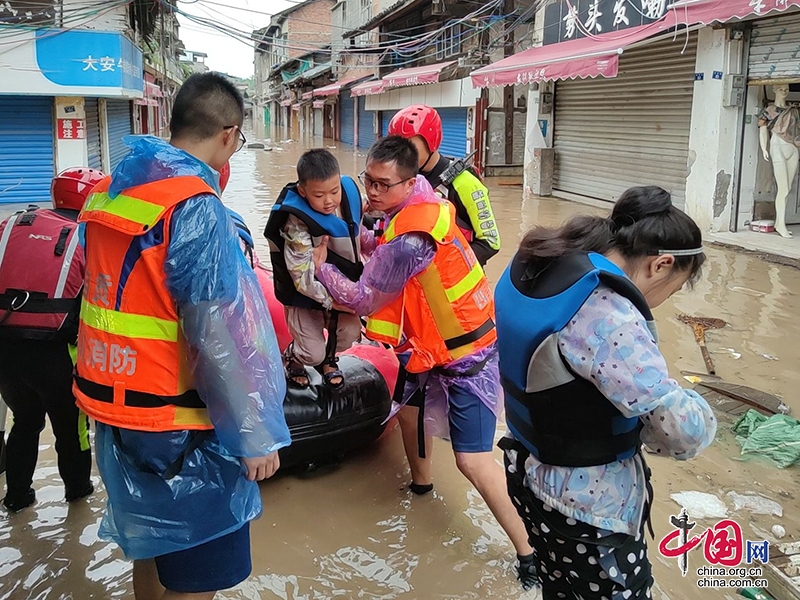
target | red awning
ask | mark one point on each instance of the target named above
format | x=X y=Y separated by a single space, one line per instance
x=286 y=102
x=151 y=90
x=307 y=95
x=691 y=12
x=417 y=75
x=318 y=104
x=370 y=88
x=146 y=102
x=295 y=107
x=334 y=88
x=599 y=55
x=584 y=57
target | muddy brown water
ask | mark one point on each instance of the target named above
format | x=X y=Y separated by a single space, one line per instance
x=354 y=532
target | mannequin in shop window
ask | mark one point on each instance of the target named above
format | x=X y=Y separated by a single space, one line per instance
x=782 y=120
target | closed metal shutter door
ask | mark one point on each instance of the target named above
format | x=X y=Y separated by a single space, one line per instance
x=347 y=115
x=386 y=118
x=454 y=132
x=93 y=140
x=26 y=149
x=773 y=48
x=612 y=134
x=366 y=126
x=119 y=125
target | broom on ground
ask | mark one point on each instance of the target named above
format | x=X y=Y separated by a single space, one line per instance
x=699 y=326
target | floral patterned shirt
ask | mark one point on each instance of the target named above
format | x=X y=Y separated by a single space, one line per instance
x=608 y=342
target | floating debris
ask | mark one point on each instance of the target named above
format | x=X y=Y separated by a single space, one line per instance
x=700 y=505
x=699 y=326
x=755 y=504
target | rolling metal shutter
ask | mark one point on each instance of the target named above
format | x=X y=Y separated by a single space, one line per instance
x=386 y=118
x=94 y=142
x=26 y=149
x=366 y=127
x=612 y=134
x=118 y=114
x=454 y=132
x=773 y=48
x=347 y=115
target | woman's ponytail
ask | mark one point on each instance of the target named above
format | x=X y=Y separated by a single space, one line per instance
x=643 y=222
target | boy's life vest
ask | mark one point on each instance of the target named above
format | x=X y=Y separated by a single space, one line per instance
x=560 y=418
x=343 y=233
x=41 y=275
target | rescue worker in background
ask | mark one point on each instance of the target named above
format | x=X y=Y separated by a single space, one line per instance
x=422 y=125
x=177 y=357
x=586 y=386
x=425 y=294
x=41 y=278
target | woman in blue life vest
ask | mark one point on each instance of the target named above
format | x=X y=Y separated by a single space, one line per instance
x=586 y=386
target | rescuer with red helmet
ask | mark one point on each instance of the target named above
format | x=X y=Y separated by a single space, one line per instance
x=41 y=279
x=451 y=178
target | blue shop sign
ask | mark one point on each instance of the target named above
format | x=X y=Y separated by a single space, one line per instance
x=89 y=59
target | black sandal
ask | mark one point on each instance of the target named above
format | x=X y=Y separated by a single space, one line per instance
x=331 y=375
x=296 y=375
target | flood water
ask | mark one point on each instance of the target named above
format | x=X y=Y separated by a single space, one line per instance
x=355 y=532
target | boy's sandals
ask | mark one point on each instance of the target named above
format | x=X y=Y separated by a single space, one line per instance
x=334 y=378
x=296 y=374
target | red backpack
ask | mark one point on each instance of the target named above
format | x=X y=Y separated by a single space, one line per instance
x=41 y=275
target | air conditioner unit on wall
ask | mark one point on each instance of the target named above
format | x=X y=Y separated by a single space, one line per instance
x=438 y=8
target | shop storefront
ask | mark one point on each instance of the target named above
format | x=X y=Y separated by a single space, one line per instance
x=339 y=109
x=431 y=85
x=54 y=106
x=670 y=96
x=347 y=118
x=26 y=148
x=633 y=129
x=769 y=197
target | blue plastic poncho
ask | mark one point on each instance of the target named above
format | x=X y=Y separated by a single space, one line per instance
x=234 y=356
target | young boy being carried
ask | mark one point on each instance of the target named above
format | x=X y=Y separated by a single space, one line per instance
x=321 y=203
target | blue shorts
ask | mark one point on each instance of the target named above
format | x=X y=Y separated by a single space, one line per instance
x=216 y=565
x=472 y=423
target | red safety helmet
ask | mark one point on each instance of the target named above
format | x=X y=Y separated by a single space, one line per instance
x=224 y=176
x=421 y=120
x=71 y=187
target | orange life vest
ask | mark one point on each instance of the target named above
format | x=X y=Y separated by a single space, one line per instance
x=131 y=369
x=446 y=312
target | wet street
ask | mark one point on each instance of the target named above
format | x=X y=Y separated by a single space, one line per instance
x=355 y=532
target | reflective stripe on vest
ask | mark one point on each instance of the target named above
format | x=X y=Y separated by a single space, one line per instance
x=129 y=208
x=438 y=231
x=387 y=330
x=128 y=325
x=132 y=369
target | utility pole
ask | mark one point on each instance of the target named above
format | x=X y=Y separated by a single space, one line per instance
x=508 y=91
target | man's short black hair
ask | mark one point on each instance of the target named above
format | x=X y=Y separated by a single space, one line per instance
x=205 y=104
x=398 y=150
x=317 y=165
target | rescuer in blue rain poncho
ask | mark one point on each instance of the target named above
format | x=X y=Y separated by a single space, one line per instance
x=184 y=497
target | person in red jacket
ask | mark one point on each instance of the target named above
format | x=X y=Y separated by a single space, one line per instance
x=38 y=322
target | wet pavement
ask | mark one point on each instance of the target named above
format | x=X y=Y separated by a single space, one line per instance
x=354 y=532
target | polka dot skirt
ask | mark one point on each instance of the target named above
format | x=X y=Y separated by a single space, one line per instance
x=576 y=560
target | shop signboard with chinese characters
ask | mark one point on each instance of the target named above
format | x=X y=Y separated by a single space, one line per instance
x=58 y=62
x=571 y=19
